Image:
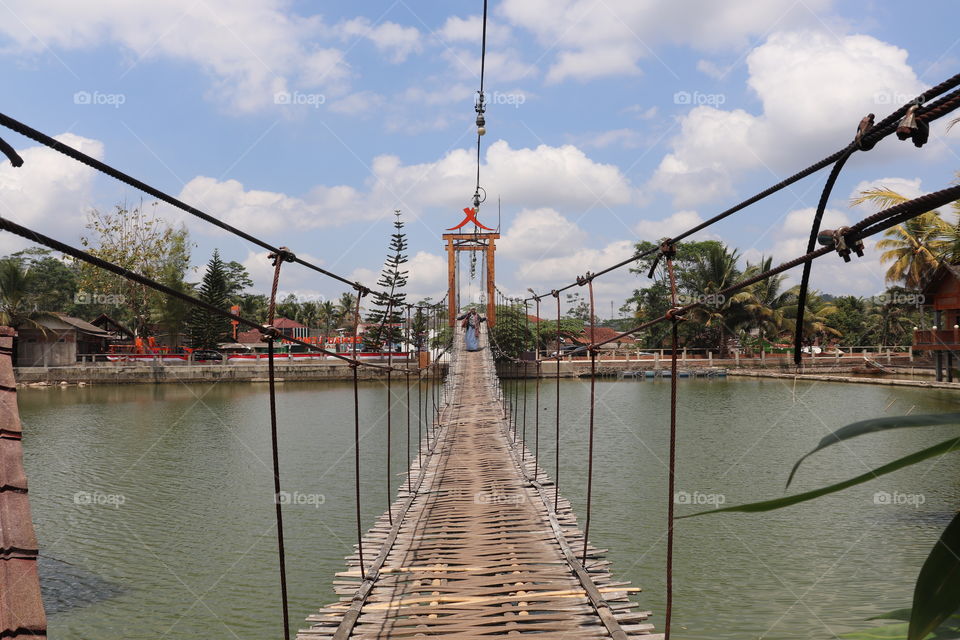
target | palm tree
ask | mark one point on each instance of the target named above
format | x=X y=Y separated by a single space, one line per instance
x=917 y=246
x=347 y=310
x=816 y=315
x=766 y=303
x=709 y=274
x=327 y=316
x=15 y=289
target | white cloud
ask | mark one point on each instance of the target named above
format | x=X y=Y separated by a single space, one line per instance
x=675 y=224
x=470 y=29
x=830 y=274
x=427 y=277
x=814 y=92
x=251 y=50
x=540 y=233
x=610 y=38
x=259 y=211
x=907 y=187
x=560 y=177
x=389 y=37
x=50 y=193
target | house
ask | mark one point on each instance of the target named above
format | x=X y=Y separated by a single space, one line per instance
x=56 y=340
x=601 y=334
x=942 y=294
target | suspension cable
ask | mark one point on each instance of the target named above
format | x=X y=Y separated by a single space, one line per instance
x=278 y=259
x=593 y=402
x=556 y=478
x=881 y=130
x=356 y=444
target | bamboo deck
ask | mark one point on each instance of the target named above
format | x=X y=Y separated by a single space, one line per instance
x=476 y=550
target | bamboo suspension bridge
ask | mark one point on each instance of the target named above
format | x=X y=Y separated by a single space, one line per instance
x=478 y=541
x=476 y=549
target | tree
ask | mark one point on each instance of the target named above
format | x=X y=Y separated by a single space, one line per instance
x=238 y=281
x=347 y=311
x=52 y=283
x=718 y=314
x=208 y=329
x=915 y=247
x=138 y=241
x=513 y=334
x=387 y=312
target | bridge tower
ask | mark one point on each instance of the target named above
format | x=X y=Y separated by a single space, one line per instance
x=477 y=241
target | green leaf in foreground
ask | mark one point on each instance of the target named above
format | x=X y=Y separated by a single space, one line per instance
x=778 y=503
x=937 y=593
x=874 y=425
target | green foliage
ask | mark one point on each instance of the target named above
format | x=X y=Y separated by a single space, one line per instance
x=139 y=241
x=513 y=333
x=208 y=329
x=389 y=301
x=52 y=284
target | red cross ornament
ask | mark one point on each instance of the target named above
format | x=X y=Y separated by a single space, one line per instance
x=471 y=217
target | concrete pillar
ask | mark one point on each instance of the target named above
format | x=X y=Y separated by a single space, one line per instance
x=910 y=352
x=710 y=358
x=939 y=360
x=736 y=355
x=684 y=358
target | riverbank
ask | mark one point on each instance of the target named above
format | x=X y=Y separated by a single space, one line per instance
x=822 y=377
x=141 y=373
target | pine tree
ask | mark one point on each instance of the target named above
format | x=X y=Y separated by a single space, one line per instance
x=207 y=329
x=388 y=303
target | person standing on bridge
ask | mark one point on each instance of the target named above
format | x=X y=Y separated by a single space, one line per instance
x=471 y=322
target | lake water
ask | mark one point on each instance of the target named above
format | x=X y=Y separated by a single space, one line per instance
x=154 y=506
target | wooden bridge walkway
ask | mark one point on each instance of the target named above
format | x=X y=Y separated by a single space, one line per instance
x=476 y=550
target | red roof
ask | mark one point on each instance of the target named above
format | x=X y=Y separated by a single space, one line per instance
x=249 y=337
x=287 y=323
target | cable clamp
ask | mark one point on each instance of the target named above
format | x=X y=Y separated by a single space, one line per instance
x=555 y=293
x=584 y=279
x=866 y=123
x=837 y=238
x=912 y=127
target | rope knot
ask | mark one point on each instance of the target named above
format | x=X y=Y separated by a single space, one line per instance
x=270 y=332
x=674 y=314
x=282 y=255
x=361 y=290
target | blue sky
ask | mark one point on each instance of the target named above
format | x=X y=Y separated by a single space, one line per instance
x=610 y=121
